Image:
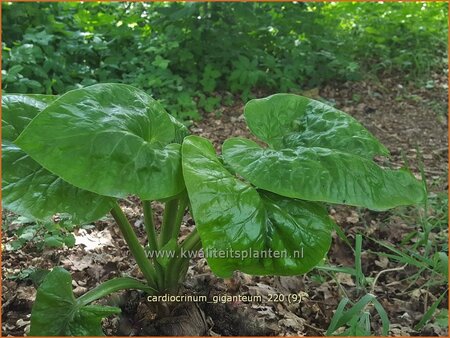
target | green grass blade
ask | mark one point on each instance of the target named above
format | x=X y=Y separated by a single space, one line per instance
x=341 y=269
x=385 y=323
x=337 y=315
x=355 y=309
x=358 y=267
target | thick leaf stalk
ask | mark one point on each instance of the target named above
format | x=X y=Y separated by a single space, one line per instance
x=136 y=248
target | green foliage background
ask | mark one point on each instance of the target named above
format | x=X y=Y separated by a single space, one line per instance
x=195 y=56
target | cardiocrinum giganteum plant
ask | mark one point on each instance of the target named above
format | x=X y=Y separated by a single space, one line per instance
x=80 y=153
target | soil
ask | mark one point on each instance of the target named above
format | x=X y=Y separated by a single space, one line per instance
x=410 y=121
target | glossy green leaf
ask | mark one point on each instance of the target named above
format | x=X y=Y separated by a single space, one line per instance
x=233 y=218
x=318 y=174
x=18 y=110
x=317 y=153
x=290 y=121
x=180 y=130
x=111 y=139
x=56 y=312
x=28 y=188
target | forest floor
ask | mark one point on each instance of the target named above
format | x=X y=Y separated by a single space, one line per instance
x=410 y=121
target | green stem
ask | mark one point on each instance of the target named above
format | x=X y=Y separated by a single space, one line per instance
x=170 y=213
x=135 y=247
x=192 y=241
x=149 y=226
x=113 y=285
x=176 y=268
x=152 y=239
x=179 y=216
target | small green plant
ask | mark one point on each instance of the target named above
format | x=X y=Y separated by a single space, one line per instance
x=258 y=209
x=49 y=234
x=356 y=321
x=357 y=318
x=171 y=50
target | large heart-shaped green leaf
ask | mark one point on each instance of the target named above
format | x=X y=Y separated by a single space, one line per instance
x=56 y=312
x=234 y=219
x=18 y=110
x=318 y=174
x=290 y=121
x=317 y=153
x=111 y=139
x=28 y=188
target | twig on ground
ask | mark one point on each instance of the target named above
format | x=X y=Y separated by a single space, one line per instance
x=384 y=271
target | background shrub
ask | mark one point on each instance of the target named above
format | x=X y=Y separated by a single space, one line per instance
x=189 y=54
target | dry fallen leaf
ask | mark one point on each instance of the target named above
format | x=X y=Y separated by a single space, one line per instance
x=78 y=263
x=345 y=278
x=94 y=239
x=26 y=293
